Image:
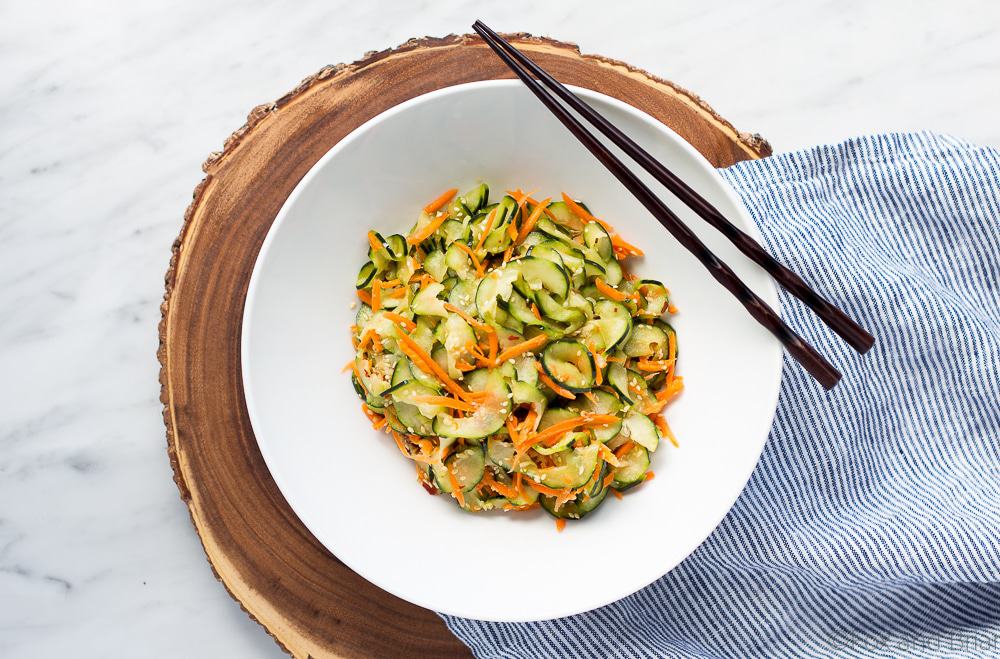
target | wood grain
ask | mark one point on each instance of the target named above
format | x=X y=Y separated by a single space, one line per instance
x=309 y=602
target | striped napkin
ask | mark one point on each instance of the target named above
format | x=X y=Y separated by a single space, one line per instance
x=871 y=526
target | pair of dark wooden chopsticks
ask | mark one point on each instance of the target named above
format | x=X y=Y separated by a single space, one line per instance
x=814 y=363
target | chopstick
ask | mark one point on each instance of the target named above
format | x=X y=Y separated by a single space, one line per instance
x=855 y=335
x=814 y=363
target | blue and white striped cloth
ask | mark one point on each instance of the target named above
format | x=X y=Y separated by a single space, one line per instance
x=871 y=526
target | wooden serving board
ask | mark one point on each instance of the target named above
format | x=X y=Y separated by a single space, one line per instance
x=307 y=600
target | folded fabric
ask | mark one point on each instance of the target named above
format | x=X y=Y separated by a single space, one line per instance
x=871 y=526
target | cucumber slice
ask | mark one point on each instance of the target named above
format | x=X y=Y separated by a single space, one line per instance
x=552 y=310
x=594 y=269
x=382 y=256
x=454 y=334
x=570 y=364
x=365 y=275
x=435 y=265
x=613 y=322
x=501 y=453
x=564 y=216
x=635 y=463
x=401 y=373
x=458 y=261
x=490 y=413
x=577 y=508
x=528 y=394
x=597 y=238
x=363 y=316
x=617 y=376
x=477 y=198
x=453 y=231
x=427 y=303
x=573 y=468
x=613 y=273
x=375 y=372
x=467 y=465
x=409 y=391
x=497 y=285
x=646 y=341
x=412 y=421
x=392 y=419
x=541 y=274
x=358 y=388
x=607 y=403
x=463 y=295
x=654 y=297
x=667 y=328
x=517 y=307
x=639 y=428
x=396 y=246
x=552 y=230
x=565 y=443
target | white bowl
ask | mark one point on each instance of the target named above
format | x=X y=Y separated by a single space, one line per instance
x=350 y=486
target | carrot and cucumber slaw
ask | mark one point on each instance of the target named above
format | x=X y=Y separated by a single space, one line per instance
x=511 y=356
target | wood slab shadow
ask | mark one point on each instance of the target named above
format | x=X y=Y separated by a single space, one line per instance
x=308 y=601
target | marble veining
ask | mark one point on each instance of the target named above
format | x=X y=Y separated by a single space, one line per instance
x=107 y=110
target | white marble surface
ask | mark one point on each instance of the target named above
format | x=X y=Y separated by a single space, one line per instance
x=107 y=110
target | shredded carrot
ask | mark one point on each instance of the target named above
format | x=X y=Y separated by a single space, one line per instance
x=598 y=372
x=608 y=455
x=349 y=366
x=505 y=490
x=620 y=360
x=478 y=324
x=551 y=384
x=456 y=488
x=494 y=347
x=669 y=392
x=653 y=365
x=414 y=351
x=542 y=489
x=376 y=295
x=618 y=495
x=650 y=475
x=374 y=242
x=581 y=212
x=524 y=346
x=512 y=429
x=529 y=224
x=534 y=310
x=560 y=524
x=620 y=244
x=472 y=255
x=486 y=229
x=366 y=336
x=393 y=292
x=445 y=401
x=399 y=443
x=671 y=308
x=591 y=397
x=556 y=430
x=530 y=421
x=445 y=197
x=406 y=323
x=506 y=254
x=660 y=423
x=624 y=448
x=616 y=240
x=426 y=232
x=609 y=292
x=464 y=366
x=366 y=297
x=512 y=229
